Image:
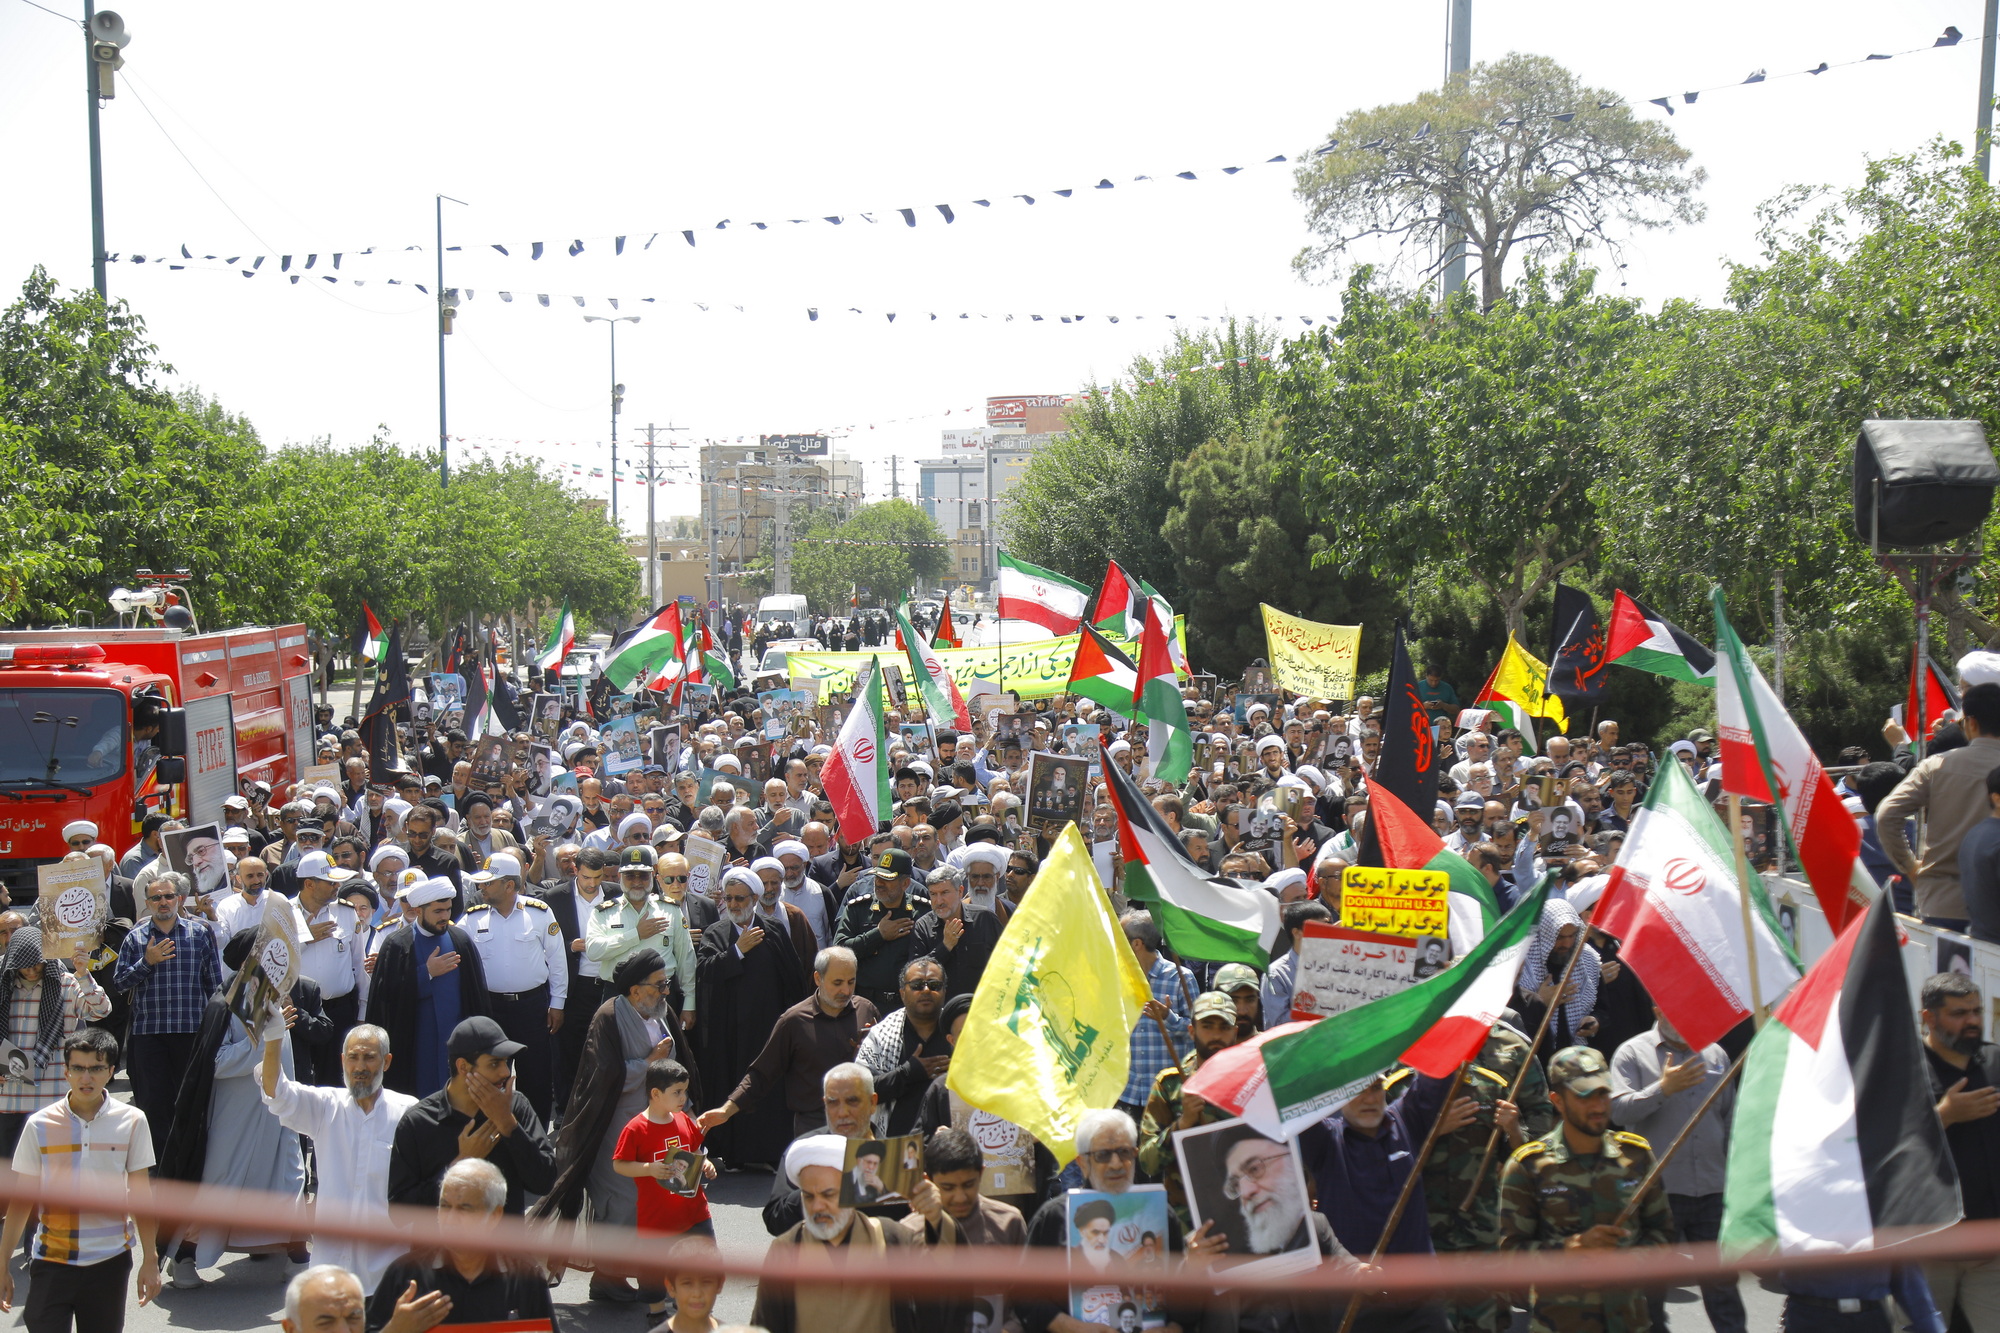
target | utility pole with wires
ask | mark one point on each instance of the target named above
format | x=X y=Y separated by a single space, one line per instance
x=652 y=532
x=1985 y=155
x=104 y=36
x=895 y=481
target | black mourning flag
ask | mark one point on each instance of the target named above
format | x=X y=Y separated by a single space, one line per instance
x=1579 y=651
x=1407 y=766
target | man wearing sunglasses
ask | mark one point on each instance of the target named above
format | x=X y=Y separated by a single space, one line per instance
x=638 y=919
x=908 y=1048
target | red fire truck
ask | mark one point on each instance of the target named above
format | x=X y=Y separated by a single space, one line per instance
x=235 y=706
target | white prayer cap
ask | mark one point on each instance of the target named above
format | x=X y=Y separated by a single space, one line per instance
x=1681 y=747
x=1271 y=742
x=1312 y=777
x=749 y=879
x=763 y=863
x=634 y=823
x=1294 y=780
x=919 y=766
x=792 y=847
x=1284 y=879
x=79 y=828
x=729 y=763
x=1583 y=895
x=819 y=1150
x=1978 y=667
x=1255 y=709
x=1117 y=748
x=230 y=835
x=388 y=851
x=396 y=806
x=820 y=752
x=992 y=853
x=435 y=889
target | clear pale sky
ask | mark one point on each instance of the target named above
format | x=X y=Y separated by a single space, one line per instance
x=331 y=129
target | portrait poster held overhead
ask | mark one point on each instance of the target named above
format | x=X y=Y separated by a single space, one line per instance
x=1107 y=1229
x=265 y=981
x=1056 y=787
x=621 y=744
x=541 y=770
x=197 y=853
x=1253 y=1190
x=547 y=716
x=316 y=775
x=1341 y=969
x=71 y=904
x=881 y=1170
x=705 y=862
x=489 y=760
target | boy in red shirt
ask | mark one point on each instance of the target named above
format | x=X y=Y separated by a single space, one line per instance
x=650 y=1149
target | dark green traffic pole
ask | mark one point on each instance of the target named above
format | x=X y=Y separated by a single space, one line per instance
x=96 y=154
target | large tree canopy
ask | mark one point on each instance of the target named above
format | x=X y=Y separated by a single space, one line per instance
x=1517 y=155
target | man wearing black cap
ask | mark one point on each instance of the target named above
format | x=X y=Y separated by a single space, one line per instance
x=477 y=1114
x=418 y=826
x=881 y=927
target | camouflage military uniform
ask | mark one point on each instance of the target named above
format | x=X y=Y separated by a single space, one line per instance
x=1157 y=1158
x=1448 y=1174
x=1549 y=1193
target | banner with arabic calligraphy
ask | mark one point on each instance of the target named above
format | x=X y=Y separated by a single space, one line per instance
x=1341 y=969
x=1032 y=669
x=1310 y=658
x=1395 y=902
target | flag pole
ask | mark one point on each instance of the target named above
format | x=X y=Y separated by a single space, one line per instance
x=1520 y=1075
x=1757 y=1011
x=1180 y=975
x=1660 y=1162
x=1410 y=1181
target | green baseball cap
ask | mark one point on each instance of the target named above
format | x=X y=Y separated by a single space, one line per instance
x=1579 y=1069
x=1232 y=976
x=1214 y=1004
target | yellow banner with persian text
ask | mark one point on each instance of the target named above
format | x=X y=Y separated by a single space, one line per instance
x=1310 y=658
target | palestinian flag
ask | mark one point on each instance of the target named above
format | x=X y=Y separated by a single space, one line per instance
x=1029 y=592
x=1433 y=1027
x=856 y=775
x=715 y=665
x=1102 y=672
x=1836 y=1145
x=372 y=645
x=947 y=633
x=941 y=697
x=644 y=649
x=1121 y=602
x=1765 y=757
x=478 y=678
x=1158 y=609
x=1674 y=904
x=560 y=642
x=1410 y=843
x=1644 y=639
x=1213 y=919
x=1931 y=694
x=1518 y=691
x=1157 y=700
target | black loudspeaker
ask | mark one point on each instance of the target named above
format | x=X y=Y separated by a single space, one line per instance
x=1922 y=483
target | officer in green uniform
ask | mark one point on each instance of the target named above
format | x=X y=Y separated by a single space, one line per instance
x=1169 y=1109
x=1566 y=1189
x=1448 y=1175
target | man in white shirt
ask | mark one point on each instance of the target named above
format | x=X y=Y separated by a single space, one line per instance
x=352 y=1127
x=329 y=953
x=243 y=909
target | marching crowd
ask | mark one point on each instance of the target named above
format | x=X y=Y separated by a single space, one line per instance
x=512 y=1004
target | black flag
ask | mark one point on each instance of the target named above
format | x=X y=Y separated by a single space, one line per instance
x=1578 y=651
x=378 y=724
x=1407 y=766
x=507 y=702
x=472 y=671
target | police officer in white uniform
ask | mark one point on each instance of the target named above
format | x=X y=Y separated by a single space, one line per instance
x=330 y=954
x=527 y=974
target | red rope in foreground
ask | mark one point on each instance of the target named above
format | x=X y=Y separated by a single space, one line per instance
x=1411 y=1277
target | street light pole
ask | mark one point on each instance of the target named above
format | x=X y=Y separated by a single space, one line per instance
x=617 y=397
x=444 y=316
x=96 y=154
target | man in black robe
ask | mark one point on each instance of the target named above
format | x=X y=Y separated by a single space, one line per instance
x=749 y=969
x=419 y=1013
x=634 y=1025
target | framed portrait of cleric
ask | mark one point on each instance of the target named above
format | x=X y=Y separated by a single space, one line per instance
x=881 y=1170
x=489 y=760
x=1257 y=680
x=546 y=718
x=1107 y=1229
x=1253 y=1189
x=541 y=770
x=197 y=853
x=1056 y=787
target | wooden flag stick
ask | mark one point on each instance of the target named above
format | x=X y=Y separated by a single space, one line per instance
x=1660 y=1162
x=1409 y=1183
x=1520 y=1075
x=1757 y=1011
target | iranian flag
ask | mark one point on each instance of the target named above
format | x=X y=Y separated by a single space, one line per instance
x=1029 y=592
x=1644 y=639
x=645 y=649
x=1434 y=1026
x=856 y=775
x=1101 y=672
x=1216 y=920
x=1676 y=908
x=1765 y=757
x=1836 y=1145
x=1157 y=699
x=941 y=697
x=1410 y=843
x=560 y=642
x=372 y=645
x=1120 y=605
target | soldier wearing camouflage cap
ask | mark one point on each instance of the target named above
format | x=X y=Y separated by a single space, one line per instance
x=1566 y=1189
x=1168 y=1109
x=1240 y=983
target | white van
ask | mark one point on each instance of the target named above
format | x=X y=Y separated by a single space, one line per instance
x=780 y=608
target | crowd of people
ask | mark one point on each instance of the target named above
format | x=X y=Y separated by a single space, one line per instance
x=499 y=1013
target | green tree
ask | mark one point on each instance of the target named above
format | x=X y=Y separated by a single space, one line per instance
x=1242 y=533
x=1103 y=491
x=887 y=548
x=1517 y=155
x=1459 y=442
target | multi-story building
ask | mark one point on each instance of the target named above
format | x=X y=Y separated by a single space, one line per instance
x=745 y=484
x=976 y=470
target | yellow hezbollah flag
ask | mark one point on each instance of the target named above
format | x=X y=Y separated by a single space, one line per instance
x=1522 y=682
x=1310 y=658
x=1049 y=1033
